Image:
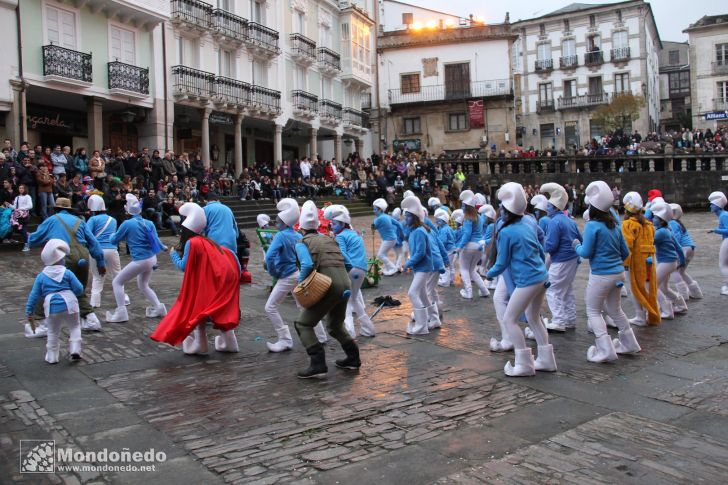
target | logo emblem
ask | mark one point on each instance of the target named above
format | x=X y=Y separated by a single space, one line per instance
x=37 y=456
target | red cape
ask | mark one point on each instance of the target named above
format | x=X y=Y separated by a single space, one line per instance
x=210 y=290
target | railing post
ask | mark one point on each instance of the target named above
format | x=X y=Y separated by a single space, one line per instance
x=651 y=165
x=638 y=165
x=496 y=168
x=587 y=166
x=698 y=164
x=684 y=165
x=509 y=168
x=668 y=164
x=713 y=165
x=600 y=166
x=521 y=167
x=612 y=166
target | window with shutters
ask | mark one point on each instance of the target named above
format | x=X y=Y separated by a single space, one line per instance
x=409 y=83
x=457 y=122
x=620 y=39
x=621 y=82
x=570 y=88
x=123 y=45
x=257 y=11
x=224 y=63
x=723 y=91
x=568 y=48
x=595 y=85
x=260 y=73
x=61 y=27
x=411 y=126
x=545 y=93
x=674 y=58
x=457 y=80
x=721 y=54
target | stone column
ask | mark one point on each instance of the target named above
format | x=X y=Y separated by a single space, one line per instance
x=278 y=145
x=651 y=165
x=360 y=147
x=18 y=118
x=337 y=148
x=313 y=143
x=698 y=164
x=684 y=165
x=206 y=136
x=94 y=114
x=612 y=166
x=713 y=165
x=668 y=164
x=238 y=155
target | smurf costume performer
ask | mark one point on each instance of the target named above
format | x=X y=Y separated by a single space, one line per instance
x=144 y=244
x=718 y=204
x=352 y=248
x=221 y=225
x=210 y=290
x=383 y=223
x=605 y=248
x=469 y=247
x=685 y=284
x=447 y=238
x=440 y=265
x=401 y=248
x=103 y=226
x=519 y=250
x=420 y=262
x=669 y=257
x=59 y=288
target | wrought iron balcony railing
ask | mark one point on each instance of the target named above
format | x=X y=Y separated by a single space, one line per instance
x=192 y=82
x=128 y=77
x=594 y=58
x=569 y=62
x=67 y=63
x=355 y=117
x=620 y=54
x=366 y=101
x=192 y=12
x=232 y=91
x=583 y=101
x=305 y=101
x=329 y=58
x=544 y=106
x=264 y=37
x=229 y=25
x=544 y=65
x=267 y=99
x=303 y=46
x=442 y=92
x=329 y=109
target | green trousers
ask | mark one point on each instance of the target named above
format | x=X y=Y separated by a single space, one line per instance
x=332 y=306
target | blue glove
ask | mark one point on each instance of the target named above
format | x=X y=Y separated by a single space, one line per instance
x=649 y=260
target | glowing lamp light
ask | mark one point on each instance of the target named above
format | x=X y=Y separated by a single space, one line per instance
x=479 y=20
x=431 y=24
x=449 y=23
x=417 y=26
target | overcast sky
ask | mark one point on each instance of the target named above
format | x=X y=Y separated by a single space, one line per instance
x=672 y=16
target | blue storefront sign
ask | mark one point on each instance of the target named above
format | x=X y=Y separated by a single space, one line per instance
x=716 y=115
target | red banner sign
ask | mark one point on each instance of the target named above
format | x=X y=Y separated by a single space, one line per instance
x=476 y=114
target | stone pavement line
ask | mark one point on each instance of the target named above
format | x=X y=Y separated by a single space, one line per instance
x=286 y=429
x=617 y=448
x=21 y=417
x=707 y=395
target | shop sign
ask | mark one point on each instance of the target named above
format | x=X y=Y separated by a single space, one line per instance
x=413 y=145
x=42 y=119
x=476 y=113
x=716 y=115
x=221 y=119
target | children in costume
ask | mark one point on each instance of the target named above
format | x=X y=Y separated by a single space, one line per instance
x=440 y=265
x=383 y=223
x=59 y=290
x=519 y=250
x=210 y=289
x=103 y=226
x=669 y=257
x=420 y=262
x=221 y=225
x=685 y=284
x=718 y=204
x=144 y=244
x=605 y=248
x=469 y=247
x=401 y=248
x=447 y=238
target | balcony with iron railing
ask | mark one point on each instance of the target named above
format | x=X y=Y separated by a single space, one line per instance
x=329 y=110
x=192 y=83
x=63 y=64
x=192 y=12
x=545 y=106
x=265 y=99
x=304 y=102
x=720 y=104
x=459 y=91
x=262 y=40
x=329 y=60
x=303 y=48
x=543 y=65
x=594 y=58
x=620 y=54
x=355 y=118
x=569 y=62
x=366 y=101
x=232 y=92
x=128 y=79
x=583 y=101
x=720 y=67
x=226 y=25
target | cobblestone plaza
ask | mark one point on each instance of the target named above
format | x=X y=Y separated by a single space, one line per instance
x=428 y=409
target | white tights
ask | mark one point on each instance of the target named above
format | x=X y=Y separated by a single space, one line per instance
x=382 y=254
x=55 y=322
x=142 y=271
x=560 y=294
x=603 y=292
x=418 y=291
x=469 y=257
x=113 y=267
x=723 y=261
x=681 y=275
x=664 y=270
x=356 y=301
x=527 y=299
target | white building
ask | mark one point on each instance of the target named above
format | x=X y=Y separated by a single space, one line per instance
x=396 y=15
x=577 y=58
x=675 y=104
x=708 y=39
x=10 y=90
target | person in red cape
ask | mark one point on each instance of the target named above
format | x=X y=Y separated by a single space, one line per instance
x=210 y=290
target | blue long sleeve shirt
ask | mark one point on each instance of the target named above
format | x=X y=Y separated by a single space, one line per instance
x=51 y=228
x=722 y=228
x=420 y=260
x=304 y=257
x=43 y=285
x=399 y=229
x=383 y=223
x=667 y=249
x=560 y=233
x=280 y=259
x=489 y=233
x=447 y=237
x=181 y=261
x=440 y=259
x=97 y=223
x=221 y=226
x=543 y=223
x=352 y=248
x=681 y=234
x=521 y=253
x=605 y=248
x=134 y=232
x=471 y=232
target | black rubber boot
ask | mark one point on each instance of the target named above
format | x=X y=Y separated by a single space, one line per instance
x=318 y=362
x=352 y=360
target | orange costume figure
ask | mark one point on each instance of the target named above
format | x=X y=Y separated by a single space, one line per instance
x=639 y=234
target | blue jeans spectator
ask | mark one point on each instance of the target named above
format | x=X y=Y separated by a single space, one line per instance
x=45 y=203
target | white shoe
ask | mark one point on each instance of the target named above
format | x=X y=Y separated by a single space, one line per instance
x=349 y=326
x=419 y=327
x=724 y=290
x=467 y=293
x=433 y=318
x=680 y=305
x=524 y=365
x=683 y=290
x=127 y=301
x=196 y=342
x=637 y=322
x=571 y=324
x=492 y=284
x=500 y=345
x=626 y=343
x=41 y=329
x=485 y=294
x=389 y=272
x=694 y=291
x=52 y=355
x=91 y=322
x=666 y=311
x=285 y=342
x=443 y=280
x=117 y=316
x=608 y=320
x=555 y=327
x=321 y=334
x=545 y=362
x=226 y=342
x=623 y=293
x=74 y=349
x=159 y=311
x=528 y=333
x=366 y=327
x=95 y=300
x=602 y=351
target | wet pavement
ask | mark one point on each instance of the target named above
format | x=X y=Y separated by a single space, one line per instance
x=431 y=409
